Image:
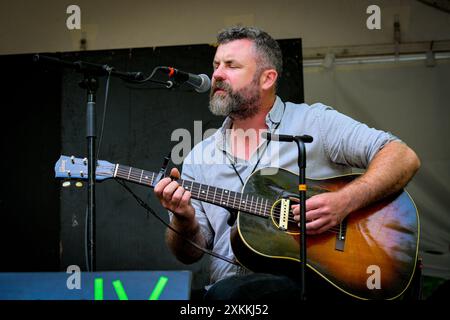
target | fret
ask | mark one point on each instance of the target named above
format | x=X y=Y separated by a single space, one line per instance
x=266 y=211
x=251 y=204
x=199 y=192
x=228 y=200
x=142 y=173
x=152 y=178
x=234 y=199
x=203 y=192
x=119 y=168
x=246 y=201
x=256 y=204
x=221 y=197
x=135 y=174
x=192 y=183
x=214 y=197
x=207 y=190
x=260 y=209
x=115 y=170
x=124 y=169
x=129 y=172
x=241 y=202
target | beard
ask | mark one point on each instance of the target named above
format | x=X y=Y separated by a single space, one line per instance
x=239 y=104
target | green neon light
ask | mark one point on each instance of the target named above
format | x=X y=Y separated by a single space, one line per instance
x=120 y=291
x=159 y=287
x=98 y=289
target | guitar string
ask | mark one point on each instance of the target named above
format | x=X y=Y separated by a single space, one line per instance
x=248 y=207
x=196 y=187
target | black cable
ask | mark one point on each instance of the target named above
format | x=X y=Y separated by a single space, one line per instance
x=105 y=104
x=86 y=253
x=168 y=84
x=150 y=210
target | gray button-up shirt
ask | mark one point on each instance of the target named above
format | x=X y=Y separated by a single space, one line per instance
x=340 y=143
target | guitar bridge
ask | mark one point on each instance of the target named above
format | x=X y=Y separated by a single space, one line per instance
x=340 y=236
x=284 y=214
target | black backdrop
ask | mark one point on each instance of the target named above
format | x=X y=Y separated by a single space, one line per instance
x=30 y=135
x=45 y=223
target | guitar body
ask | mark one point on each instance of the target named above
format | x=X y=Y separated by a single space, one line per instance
x=373 y=256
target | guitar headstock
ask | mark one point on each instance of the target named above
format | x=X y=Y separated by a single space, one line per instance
x=76 y=168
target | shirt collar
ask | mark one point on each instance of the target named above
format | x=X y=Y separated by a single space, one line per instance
x=275 y=114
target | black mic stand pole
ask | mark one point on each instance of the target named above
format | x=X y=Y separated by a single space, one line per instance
x=90 y=83
x=300 y=141
x=91 y=71
x=302 y=195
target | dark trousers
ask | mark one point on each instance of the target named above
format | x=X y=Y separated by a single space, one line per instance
x=263 y=286
x=270 y=287
x=257 y=286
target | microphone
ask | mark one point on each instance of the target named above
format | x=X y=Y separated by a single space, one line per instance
x=200 y=82
x=285 y=137
x=137 y=76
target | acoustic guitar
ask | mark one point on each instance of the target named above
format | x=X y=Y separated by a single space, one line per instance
x=372 y=254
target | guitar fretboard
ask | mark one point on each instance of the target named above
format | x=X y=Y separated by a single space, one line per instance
x=218 y=196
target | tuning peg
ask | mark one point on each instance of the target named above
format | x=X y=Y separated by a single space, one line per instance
x=82 y=174
x=66 y=184
x=85 y=161
x=79 y=184
x=72 y=158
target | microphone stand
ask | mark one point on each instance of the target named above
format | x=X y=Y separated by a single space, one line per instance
x=302 y=197
x=300 y=141
x=90 y=83
x=91 y=72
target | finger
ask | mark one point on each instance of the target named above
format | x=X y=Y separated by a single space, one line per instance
x=296 y=213
x=295 y=209
x=314 y=202
x=315 y=225
x=160 y=187
x=185 y=200
x=169 y=190
x=176 y=197
x=174 y=173
x=313 y=214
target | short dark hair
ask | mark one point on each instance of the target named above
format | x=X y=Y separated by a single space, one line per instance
x=267 y=47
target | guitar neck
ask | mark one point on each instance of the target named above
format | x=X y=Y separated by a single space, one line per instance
x=218 y=196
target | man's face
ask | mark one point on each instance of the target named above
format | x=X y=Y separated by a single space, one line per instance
x=235 y=87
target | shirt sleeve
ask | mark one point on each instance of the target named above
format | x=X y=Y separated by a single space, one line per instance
x=188 y=173
x=347 y=141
